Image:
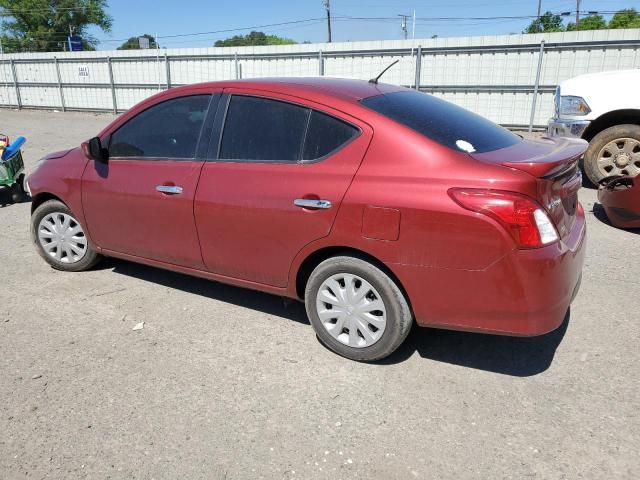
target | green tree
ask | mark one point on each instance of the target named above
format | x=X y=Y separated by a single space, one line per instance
x=252 y=39
x=546 y=23
x=43 y=25
x=134 y=44
x=627 y=18
x=591 y=22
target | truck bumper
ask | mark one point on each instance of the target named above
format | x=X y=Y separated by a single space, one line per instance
x=558 y=127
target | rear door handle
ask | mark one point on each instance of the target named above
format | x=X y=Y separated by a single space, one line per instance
x=169 y=189
x=310 y=203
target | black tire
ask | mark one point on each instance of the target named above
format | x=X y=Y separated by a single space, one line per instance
x=598 y=142
x=90 y=258
x=399 y=316
x=18 y=193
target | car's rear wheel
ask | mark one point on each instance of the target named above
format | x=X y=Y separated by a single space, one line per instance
x=356 y=309
x=60 y=239
x=613 y=151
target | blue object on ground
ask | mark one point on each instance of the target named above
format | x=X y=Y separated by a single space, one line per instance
x=13 y=148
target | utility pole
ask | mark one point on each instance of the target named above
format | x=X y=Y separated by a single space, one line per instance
x=577 y=15
x=327 y=5
x=413 y=30
x=539 y=9
x=404 y=24
x=70 y=35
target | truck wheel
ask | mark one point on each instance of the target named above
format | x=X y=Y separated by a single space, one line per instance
x=614 y=151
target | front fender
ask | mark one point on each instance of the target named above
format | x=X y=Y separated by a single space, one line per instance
x=60 y=178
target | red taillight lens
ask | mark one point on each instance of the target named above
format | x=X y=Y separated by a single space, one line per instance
x=521 y=216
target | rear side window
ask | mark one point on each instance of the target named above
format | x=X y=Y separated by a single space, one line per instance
x=443 y=122
x=261 y=129
x=325 y=135
x=170 y=129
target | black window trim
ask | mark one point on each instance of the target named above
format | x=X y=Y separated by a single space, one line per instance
x=221 y=120
x=202 y=136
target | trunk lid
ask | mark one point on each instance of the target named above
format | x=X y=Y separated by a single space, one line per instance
x=554 y=164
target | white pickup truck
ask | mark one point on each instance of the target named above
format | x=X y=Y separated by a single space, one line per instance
x=604 y=109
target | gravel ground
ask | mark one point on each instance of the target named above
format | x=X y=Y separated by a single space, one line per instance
x=225 y=383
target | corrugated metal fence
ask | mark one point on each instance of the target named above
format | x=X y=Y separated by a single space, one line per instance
x=509 y=79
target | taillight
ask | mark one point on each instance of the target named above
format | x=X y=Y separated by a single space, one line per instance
x=524 y=219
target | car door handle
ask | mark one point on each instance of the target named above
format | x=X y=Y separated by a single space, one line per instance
x=169 y=189
x=310 y=203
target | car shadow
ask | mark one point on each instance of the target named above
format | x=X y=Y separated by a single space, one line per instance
x=515 y=356
x=600 y=214
x=6 y=200
x=262 y=302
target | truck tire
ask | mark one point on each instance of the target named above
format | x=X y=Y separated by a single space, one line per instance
x=613 y=151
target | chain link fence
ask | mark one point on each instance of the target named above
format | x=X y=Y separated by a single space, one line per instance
x=509 y=79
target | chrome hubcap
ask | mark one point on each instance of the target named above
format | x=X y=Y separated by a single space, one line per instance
x=62 y=238
x=351 y=310
x=620 y=157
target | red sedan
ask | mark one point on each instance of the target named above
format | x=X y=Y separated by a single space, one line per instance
x=375 y=204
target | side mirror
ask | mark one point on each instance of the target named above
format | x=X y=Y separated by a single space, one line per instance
x=94 y=150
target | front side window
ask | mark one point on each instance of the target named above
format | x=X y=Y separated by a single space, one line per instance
x=260 y=129
x=170 y=129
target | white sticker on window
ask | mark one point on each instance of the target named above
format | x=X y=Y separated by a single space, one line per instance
x=465 y=146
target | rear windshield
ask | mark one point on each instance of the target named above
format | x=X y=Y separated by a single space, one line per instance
x=442 y=121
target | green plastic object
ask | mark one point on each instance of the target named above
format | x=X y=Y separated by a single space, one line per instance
x=11 y=164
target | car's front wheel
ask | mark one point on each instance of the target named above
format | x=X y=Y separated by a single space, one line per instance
x=613 y=151
x=356 y=309
x=60 y=238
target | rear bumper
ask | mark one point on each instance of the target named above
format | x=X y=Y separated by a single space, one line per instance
x=558 y=127
x=525 y=293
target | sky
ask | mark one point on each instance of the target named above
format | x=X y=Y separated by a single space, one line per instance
x=166 y=18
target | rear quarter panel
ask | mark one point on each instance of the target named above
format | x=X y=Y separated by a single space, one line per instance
x=406 y=172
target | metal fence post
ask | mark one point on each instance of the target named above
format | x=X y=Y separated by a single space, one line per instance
x=168 y=69
x=320 y=63
x=15 y=83
x=237 y=65
x=113 y=89
x=418 y=67
x=62 y=103
x=536 y=86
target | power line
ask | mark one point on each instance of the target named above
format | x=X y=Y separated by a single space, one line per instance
x=10 y=12
x=57 y=37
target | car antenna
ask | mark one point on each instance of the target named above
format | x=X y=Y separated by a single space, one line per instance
x=375 y=80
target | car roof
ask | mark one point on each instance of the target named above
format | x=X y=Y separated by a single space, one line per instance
x=343 y=88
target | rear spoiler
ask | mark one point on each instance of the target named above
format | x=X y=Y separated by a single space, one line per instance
x=543 y=157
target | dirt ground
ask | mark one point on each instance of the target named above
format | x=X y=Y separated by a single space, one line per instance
x=225 y=383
